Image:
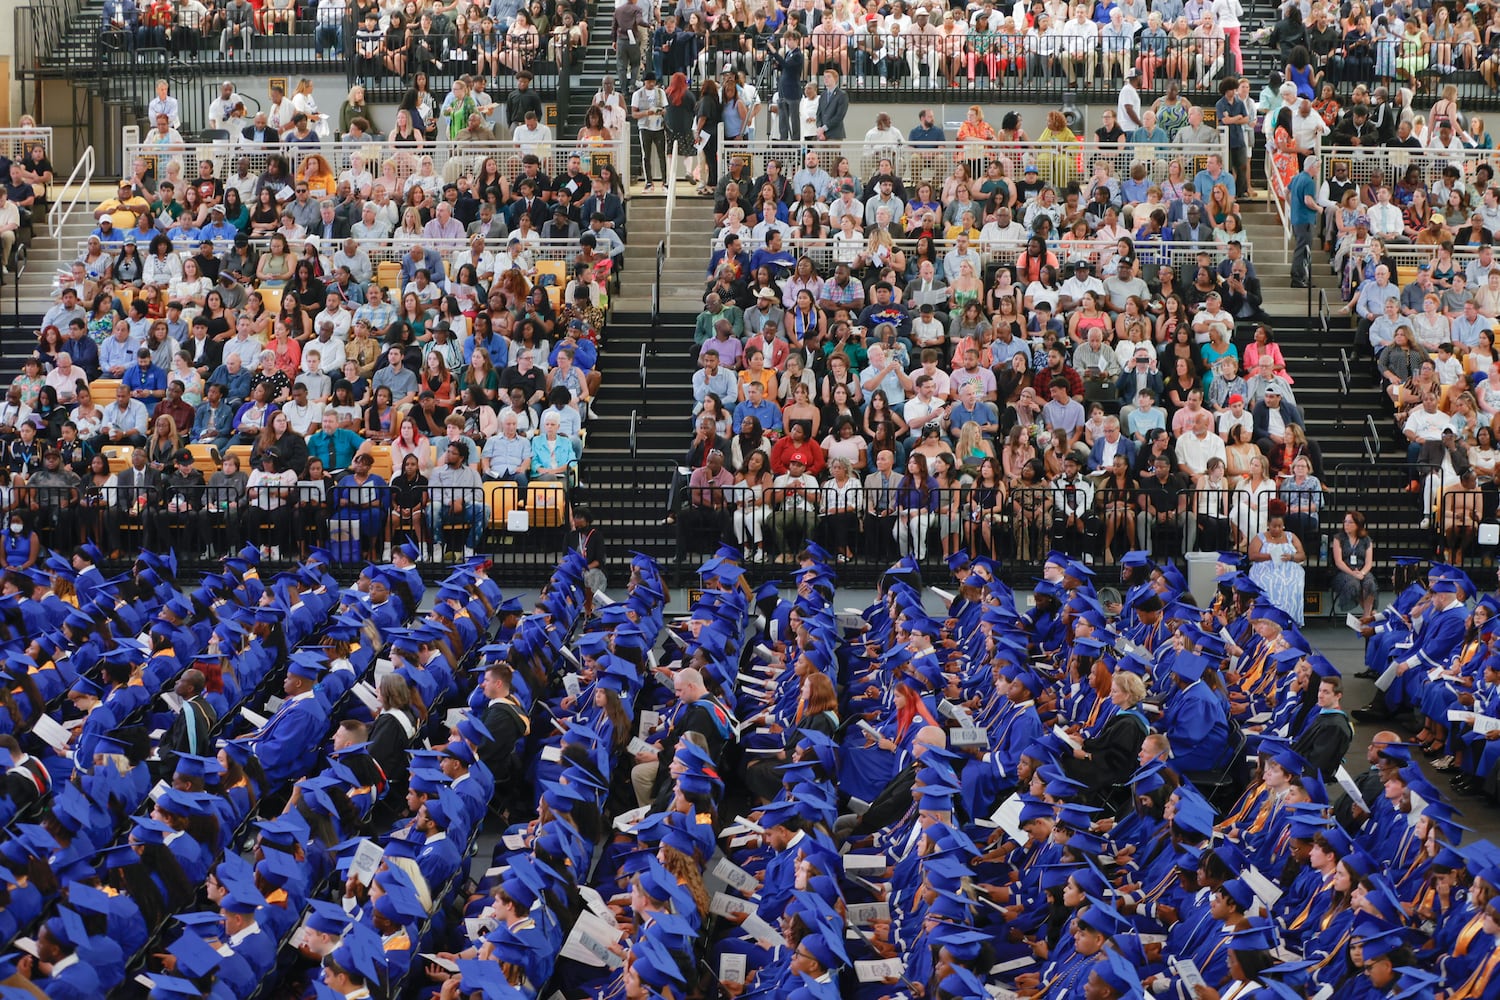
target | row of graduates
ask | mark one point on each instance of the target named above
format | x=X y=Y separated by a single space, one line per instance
x=1434 y=660
x=99 y=839
x=1273 y=892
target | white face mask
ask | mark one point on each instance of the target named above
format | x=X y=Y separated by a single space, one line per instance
x=16 y=527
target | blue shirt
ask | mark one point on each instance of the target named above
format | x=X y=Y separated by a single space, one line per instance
x=1303 y=186
x=113 y=354
x=148 y=379
x=1204 y=181
x=217 y=231
x=926 y=134
x=767 y=412
x=1233 y=108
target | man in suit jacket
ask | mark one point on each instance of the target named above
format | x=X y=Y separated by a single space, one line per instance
x=204 y=352
x=1271 y=417
x=1140 y=372
x=418 y=258
x=137 y=489
x=328 y=225
x=833 y=107
x=260 y=131
x=1108 y=445
x=191 y=727
x=928 y=288
x=1194 y=229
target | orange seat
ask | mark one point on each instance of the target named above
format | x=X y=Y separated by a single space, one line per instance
x=118 y=455
x=241 y=454
x=102 y=390
x=500 y=498
x=546 y=504
x=380 y=457
x=205 y=453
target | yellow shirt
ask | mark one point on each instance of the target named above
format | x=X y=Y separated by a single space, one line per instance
x=123 y=213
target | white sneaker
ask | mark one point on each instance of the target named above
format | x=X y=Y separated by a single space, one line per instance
x=385 y=553
x=275 y=552
x=468 y=552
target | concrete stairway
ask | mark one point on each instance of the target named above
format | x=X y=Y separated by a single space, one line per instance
x=684 y=272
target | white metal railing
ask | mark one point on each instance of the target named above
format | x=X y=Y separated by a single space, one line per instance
x=1392 y=164
x=76 y=189
x=1057 y=163
x=391 y=250
x=388 y=164
x=1278 y=201
x=15 y=143
x=1151 y=252
x=671 y=194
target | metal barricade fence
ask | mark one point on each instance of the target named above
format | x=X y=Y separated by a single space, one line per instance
x=1392 y=164
x=1151 y=253
x=1019 y=66
x=1057 y=163
x=867 y=525
x=389 y=250
x=16 y=143
x=450 y=159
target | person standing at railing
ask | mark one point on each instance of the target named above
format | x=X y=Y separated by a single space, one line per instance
x=122 y=17
x=833 y=107
x=788 y=60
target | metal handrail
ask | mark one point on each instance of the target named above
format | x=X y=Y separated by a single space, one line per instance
x=21 y=257
x=661 y=260
x=634 y=419
x=641 y=373
x=57 y=215
x=666 y=222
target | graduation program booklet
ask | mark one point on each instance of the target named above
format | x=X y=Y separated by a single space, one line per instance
x=735 y=877
x=731 y=968
x=1346 y=782
x=879 y=970
x=1008 y=818
x=589 y=942
x=51 y=732
x=366 y=860
x=724 y=905
x=1187 y=973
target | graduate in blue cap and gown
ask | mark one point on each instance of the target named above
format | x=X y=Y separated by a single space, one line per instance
x=1093 y=928
x=87 y=697
x=1439 y=636
x=288 y=741
x=1195 y=719
x=57 y=968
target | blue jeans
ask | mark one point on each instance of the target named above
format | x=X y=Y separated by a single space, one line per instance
x=442 y=515
x=330 y=35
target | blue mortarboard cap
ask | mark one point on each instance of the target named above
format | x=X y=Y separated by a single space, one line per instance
x=655 y=965
x=1104 y=918
x=1259 y=935
x=1189 y=666
x=1118 y=974
x=327 y=918
x=195 y=957
x=1034 y=809
x=165 y=987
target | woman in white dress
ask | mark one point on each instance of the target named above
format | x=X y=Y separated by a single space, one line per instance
x=1276 y=558
x=751 y=509
x=1251 y=498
